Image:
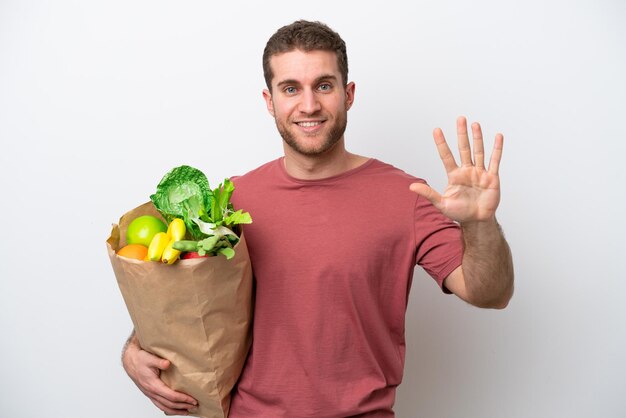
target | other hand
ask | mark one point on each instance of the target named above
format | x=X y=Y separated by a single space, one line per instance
x=144 y=369
x=473 y=191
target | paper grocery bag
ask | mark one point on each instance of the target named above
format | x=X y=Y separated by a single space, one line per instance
x=196 y=313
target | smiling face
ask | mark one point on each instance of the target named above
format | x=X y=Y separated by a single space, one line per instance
x=308 y=100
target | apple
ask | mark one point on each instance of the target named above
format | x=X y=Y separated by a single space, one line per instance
x=191 y=254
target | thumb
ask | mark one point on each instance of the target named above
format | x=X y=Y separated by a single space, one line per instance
x=156 y=362
x=427 y=192
x=163 y=364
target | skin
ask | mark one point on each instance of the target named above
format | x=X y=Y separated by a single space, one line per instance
x=144 y=369
x=485 y=277
x=307 y=88
x=310 y=104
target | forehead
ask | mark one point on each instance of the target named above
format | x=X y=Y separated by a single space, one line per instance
x=304 y=66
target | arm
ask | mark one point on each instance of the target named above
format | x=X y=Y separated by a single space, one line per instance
x=485 y=278
x=144 y=369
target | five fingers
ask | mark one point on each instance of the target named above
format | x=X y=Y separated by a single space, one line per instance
x=465 y=151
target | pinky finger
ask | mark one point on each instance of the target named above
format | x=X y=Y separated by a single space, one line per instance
x=496 y=155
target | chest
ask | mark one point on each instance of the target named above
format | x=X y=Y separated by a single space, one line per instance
x=327 y=228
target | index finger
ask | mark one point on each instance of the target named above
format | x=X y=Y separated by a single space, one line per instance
x=444 y=150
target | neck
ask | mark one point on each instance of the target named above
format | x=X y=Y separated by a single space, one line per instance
x=313 y=167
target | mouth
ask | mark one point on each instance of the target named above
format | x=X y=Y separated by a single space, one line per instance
x=310 y=127
x=309 y=124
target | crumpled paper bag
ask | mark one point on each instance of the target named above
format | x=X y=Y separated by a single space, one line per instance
x=196 y=313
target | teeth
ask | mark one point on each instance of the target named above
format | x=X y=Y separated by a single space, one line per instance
x=308 y=124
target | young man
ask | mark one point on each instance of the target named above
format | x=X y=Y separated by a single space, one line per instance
x=333 y=246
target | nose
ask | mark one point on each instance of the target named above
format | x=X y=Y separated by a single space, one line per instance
x=309 y=102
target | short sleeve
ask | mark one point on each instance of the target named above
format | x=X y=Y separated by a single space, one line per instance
x=438 y=241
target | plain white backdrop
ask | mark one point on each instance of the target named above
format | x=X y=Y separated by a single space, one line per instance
x=99 y=99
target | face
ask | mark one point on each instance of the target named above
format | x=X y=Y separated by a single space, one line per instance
x=308 y=100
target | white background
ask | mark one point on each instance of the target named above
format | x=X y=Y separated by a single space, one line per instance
x=99 y=99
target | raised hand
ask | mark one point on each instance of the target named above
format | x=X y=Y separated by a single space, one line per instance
x=473 y=191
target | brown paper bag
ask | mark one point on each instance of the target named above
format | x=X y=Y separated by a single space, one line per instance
x=195 y=313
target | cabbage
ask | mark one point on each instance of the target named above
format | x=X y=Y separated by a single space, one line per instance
x=184 y=193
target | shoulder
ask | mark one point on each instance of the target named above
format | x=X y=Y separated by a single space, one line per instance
x=252 y=186
x=388 y=169
x=268 y=169
x=390 y=175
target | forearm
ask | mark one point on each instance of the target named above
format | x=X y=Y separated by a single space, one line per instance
x=487 y=264
x=131 y=342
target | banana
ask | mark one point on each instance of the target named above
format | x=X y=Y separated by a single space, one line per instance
x=170 y=255
x=157 y=246
x=175 y=231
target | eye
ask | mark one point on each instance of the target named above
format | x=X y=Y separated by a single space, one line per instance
x=325 y=87
x=290 y=90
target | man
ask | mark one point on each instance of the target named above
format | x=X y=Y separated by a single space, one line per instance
x=333 y=246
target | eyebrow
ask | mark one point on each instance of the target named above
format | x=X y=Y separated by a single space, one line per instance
x=325 y=77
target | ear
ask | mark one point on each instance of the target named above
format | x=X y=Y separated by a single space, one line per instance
x=268 y=101
x=350 y=88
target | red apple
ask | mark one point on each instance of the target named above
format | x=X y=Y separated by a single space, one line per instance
x=191 y=254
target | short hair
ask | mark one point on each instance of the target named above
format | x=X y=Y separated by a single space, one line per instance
x=306 y=36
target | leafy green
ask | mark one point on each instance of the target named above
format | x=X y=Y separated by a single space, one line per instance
x=227 y=252
x=220 y=205
x=213 y=229
x=238 y=217
x=209 y=216
x=184 y=193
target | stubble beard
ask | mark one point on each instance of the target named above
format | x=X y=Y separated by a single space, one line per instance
x=328 y=143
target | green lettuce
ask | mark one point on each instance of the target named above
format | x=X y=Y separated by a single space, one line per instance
x=184 y=193
x=209 y=216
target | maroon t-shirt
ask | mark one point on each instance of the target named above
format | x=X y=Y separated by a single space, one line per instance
x=333 y=261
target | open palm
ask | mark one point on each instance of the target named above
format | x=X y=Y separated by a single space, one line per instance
x=473 y=191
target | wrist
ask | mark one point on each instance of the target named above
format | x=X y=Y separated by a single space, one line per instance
x=478 y=235
x=484 y=224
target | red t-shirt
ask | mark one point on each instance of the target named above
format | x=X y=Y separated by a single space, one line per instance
x=333 y=261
